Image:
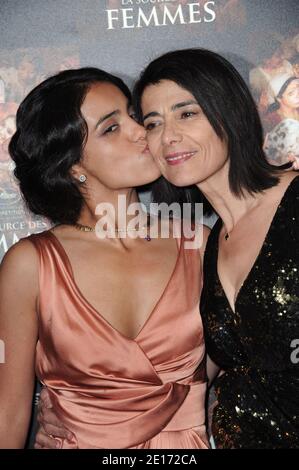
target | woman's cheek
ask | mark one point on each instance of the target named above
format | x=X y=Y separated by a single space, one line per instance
x=152 y=146
x=154 y=151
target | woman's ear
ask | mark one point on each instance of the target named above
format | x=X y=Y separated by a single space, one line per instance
x=78 y=173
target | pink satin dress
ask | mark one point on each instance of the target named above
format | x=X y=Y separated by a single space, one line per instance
x=112 y=391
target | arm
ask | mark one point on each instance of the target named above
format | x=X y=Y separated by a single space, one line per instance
x=49 y=425
x=18 y=331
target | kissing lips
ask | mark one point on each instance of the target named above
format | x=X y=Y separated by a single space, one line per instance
x=146 y=149
x=179 y=157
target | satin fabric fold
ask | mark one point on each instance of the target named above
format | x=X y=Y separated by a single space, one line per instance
x=116 y=392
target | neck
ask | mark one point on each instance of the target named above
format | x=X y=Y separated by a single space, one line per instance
x=111 y=204
x=227 y=205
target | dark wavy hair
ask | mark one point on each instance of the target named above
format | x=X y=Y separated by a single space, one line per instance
x=49 y=139
x=228 y=105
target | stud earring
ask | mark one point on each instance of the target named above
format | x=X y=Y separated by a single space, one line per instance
x=82 y=178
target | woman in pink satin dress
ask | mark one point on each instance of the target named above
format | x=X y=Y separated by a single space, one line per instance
x=118 y=343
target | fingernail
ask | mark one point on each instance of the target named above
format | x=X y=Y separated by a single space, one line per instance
x=57 y=445
x=69 y=435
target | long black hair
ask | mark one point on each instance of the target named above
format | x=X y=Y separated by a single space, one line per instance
x=49 y=140
x=228 y=105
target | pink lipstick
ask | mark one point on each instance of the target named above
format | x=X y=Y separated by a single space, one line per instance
x=178 y=157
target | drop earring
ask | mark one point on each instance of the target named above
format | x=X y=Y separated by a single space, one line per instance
x=82 y=178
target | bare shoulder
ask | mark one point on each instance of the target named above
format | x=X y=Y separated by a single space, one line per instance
x=22 y=252
x=286 y=179
x=271 y=197
x=20 y=263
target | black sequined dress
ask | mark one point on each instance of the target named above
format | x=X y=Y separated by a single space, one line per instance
x=258 y=345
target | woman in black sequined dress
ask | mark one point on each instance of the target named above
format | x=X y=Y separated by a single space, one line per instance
x=203 y=129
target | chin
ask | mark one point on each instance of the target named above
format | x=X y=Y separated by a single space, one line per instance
x=181 y=180
x=152 y=176
x=145 y=181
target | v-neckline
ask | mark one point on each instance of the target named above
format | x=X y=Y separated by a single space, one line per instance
x=260 y=252
x=69 y=269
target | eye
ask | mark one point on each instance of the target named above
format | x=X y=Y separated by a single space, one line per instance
x=110 y=129
x=150 y=126
x=188 y=114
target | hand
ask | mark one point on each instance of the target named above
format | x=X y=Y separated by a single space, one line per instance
x=295 y=159
x=50 y=426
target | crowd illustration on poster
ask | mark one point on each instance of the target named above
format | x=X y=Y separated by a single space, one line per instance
x=276 y=85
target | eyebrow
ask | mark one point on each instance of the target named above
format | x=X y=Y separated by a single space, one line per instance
x=182 y=104
x=107 y=116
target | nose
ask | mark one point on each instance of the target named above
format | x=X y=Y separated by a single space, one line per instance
x=137 y=131
x=171 y=134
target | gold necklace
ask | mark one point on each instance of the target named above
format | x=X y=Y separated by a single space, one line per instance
x=83 y=228
x=126 y=230
x=88 y=228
